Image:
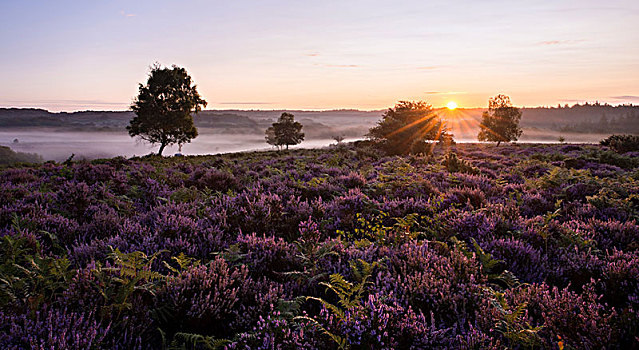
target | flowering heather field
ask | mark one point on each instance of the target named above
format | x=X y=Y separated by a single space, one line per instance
x=517 y=246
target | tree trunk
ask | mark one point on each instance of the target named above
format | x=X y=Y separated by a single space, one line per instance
x=161 y=149
x=431 y=148
x=287 y=146
x=498 y=142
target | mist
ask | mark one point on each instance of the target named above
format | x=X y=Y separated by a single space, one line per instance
x=60 y=145
x=91 y=135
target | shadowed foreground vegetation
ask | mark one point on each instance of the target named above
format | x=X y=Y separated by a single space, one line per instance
x=10 y=157
x=521 y=246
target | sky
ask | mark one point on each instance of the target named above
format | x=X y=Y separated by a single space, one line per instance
x=80 y=55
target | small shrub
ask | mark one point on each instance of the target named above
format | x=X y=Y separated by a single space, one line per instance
x=622 y=143
x=455 y=164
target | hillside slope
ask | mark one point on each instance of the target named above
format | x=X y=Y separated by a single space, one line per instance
x=484 y=247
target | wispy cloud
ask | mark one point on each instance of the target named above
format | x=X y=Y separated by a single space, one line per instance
x=444 y=92
x=246 y=103
x=428 y=67
x=559 y=42
x=125 y=14
x=66 y=102
x=337 y=65
x=571 y=101
x=626 y=98
x=312 y=54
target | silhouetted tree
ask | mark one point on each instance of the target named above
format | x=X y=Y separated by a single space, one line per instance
x=271 y=138
x=286 y=131
x=622 y=143
x=501 y=122
x=406 y=128
x=164 y=106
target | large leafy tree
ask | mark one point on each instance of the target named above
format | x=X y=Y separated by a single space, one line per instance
x=286 y=131
x=501 y=122
x=406 y=128
x=164 y=107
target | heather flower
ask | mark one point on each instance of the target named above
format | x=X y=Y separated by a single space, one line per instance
x=203 y=298
x=51 y=329
x=255 y=232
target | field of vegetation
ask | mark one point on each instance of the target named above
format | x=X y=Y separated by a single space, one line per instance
x=473 y=247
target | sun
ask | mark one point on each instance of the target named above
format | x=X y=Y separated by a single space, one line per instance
x=451 y=105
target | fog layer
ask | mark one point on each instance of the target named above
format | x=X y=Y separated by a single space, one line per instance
x=89 y=134
x=58 y=146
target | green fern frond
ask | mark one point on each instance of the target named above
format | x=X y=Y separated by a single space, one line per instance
x=183 y=340
x=136 y=265
x=511 y=323
x=338 y=284
x=289 y=308
x=339 y=341
x=339 y=313
x=507 y=279
x=183 y=262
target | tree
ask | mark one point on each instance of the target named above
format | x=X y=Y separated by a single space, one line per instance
x=338 y=138
x=164 y=106
x=406 y=128
x=501 y=122
x=286 y=131
x=271 y=138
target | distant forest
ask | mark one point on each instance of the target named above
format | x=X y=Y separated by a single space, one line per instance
x=580 y=118
x=584 y=118
x=317 y=124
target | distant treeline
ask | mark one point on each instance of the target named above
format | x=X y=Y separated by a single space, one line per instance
x=584 y=118
x=317 y=124
x=628 y=123
x=80 y=121
x=579 y=118
x=108 y=120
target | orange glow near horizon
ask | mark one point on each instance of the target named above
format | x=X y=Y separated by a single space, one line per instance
x=243 y=54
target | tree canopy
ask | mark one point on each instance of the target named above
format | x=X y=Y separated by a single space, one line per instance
x=501 y=122
x=406 y=128
x=286 y=131
x=164 y=107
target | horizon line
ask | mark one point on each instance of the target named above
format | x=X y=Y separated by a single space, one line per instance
x=320 y=109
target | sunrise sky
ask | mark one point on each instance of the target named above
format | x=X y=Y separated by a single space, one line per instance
x=78 y=55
